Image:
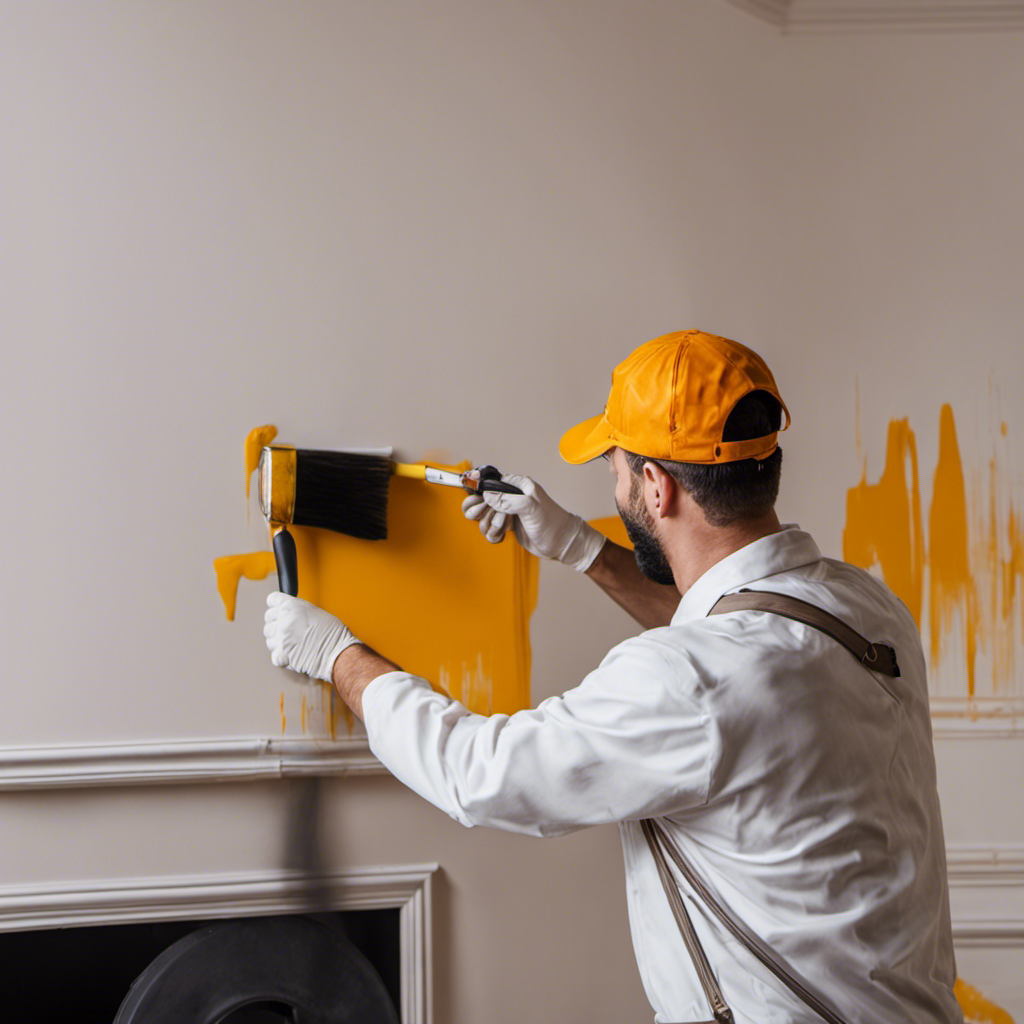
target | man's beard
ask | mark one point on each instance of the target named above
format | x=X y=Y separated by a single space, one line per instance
x=650 y=556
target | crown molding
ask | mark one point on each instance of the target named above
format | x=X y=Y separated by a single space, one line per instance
x=227 y=759
x=814 y=17
x=771 y=11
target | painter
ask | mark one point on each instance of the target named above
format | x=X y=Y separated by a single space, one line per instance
x=764 y=743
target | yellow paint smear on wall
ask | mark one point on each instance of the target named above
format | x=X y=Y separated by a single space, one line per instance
x=950 y=585
x=257 y=565
x=255 y=440
x=883 y=520
x=612 y=528
x=976 y=1008
x=971 y=569
x=432 y=597
x=1000 y=553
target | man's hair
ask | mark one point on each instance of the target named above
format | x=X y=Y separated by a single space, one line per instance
x=729 y=492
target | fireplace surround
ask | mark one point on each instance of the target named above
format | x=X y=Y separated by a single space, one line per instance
x=213 y=899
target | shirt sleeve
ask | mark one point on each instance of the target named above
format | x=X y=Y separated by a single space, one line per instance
x=631 y=741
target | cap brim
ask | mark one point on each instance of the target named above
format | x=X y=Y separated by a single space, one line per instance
x=586 y=441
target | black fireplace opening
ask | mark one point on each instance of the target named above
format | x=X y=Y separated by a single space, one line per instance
x=84 y=974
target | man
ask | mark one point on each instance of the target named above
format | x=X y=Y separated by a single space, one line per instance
x=798 y=784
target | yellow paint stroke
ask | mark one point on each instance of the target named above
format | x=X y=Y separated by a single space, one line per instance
x=883 y=520
x=257 y=565
x=284 y=721
x=950 y=587
x=999 y=550
x=338 y=709
x=976 y=1008
x=432 y=597
x=613 y=529
x=303 y=712
x=974 y=560
x=254 y=442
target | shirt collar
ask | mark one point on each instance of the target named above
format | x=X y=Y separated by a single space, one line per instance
x=778 y=552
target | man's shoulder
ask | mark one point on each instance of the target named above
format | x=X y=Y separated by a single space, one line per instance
x=663 y=643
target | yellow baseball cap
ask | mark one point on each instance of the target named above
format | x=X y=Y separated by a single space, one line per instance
x=670 y=399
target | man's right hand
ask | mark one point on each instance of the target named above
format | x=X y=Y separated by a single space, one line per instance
x=540 y=524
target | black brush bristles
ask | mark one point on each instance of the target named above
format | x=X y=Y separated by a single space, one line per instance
x=342 y=491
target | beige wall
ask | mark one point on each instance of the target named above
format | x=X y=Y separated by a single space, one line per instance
x=438 y=226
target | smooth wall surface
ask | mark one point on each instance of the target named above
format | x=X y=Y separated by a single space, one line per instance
x=439 y=227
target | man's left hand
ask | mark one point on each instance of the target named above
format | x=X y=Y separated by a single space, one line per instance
x=303 y=637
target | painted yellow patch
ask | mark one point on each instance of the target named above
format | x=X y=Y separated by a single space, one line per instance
x=972 y=569
x=432 y=597
x=950 y=586
x=254 y=443
x=612 y=528
x=883 y=520
x=976 y=1008
x=257 y=565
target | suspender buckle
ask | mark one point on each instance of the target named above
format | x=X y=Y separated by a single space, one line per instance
x=881 y=658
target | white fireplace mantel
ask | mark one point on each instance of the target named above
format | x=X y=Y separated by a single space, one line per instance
x=244 y=894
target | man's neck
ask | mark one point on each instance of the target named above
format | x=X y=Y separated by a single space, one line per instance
x=698 y=545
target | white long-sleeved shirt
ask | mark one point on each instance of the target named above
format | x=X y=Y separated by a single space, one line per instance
x=800 y=786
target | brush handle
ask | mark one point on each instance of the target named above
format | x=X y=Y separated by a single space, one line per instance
x=287 y=563
x=490 y=480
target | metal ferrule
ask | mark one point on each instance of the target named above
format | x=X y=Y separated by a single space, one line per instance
x=442 y=476
x=276 y=472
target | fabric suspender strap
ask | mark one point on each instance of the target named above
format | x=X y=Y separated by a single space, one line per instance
x=721 y=1011
x=878 y=657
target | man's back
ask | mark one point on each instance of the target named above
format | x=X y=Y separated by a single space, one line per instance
x=820 y=829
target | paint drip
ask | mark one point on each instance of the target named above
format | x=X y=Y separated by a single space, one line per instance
x=257 y=565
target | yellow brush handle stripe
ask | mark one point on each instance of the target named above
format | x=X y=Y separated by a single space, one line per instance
x=413 y=471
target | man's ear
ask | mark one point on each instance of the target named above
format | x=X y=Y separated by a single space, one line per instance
x=661 y=490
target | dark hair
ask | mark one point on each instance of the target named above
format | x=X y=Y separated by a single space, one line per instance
x=729 y=492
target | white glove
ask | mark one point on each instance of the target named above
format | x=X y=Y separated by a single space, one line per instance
x=540 y=524
x=303 y=637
